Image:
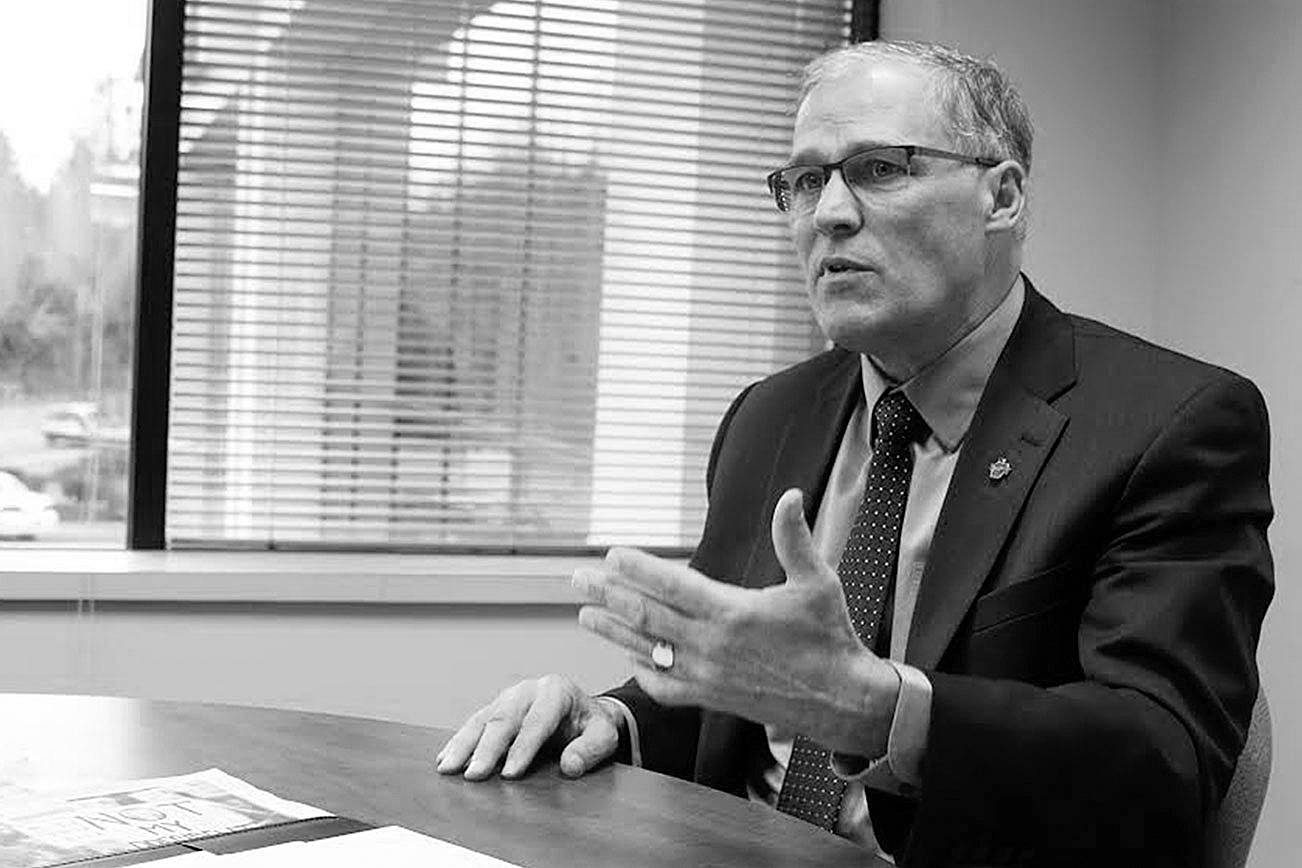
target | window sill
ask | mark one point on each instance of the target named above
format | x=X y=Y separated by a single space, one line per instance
x=285 y=577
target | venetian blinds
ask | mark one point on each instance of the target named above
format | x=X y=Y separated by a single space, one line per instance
x=475 y=275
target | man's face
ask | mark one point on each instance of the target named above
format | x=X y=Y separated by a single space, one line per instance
x=906 y=262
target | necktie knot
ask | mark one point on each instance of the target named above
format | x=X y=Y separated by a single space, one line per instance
x=896 y=423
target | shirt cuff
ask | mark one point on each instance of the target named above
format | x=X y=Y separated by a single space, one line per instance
x=634 y=741
x=899 y=771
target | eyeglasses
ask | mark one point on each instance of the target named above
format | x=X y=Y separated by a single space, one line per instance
x=798 y=188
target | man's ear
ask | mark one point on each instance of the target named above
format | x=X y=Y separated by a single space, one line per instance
x=1006 y=195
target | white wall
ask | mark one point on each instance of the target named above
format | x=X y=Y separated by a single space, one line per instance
x=425 y=664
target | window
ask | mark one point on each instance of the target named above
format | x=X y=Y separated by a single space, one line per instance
x=453 y=275
x=475 y=275
x=69 y=170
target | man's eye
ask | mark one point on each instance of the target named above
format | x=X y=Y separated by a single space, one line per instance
x=806 y=182
x=880 y=170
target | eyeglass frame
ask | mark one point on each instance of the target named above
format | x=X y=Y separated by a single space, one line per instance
x=910 y=151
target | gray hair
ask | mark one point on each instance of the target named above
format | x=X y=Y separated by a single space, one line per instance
x=986 y=115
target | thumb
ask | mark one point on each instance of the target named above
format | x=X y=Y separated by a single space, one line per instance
x=598 y=740
x=791 y=538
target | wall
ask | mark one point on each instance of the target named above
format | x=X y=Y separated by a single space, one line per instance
x=428 y=664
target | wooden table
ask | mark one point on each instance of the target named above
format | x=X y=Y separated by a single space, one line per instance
x=383 y=773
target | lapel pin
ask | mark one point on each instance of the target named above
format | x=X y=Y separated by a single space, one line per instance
x=999 y=469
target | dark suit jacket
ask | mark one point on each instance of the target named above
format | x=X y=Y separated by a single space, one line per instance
x=1089 y=621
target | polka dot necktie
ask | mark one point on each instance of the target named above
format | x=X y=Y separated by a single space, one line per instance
x=810 y=790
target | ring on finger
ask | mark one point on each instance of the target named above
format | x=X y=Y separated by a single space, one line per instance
x=662 y=655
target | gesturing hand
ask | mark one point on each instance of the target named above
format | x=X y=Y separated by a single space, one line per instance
x=786 y=655
x=514 y=726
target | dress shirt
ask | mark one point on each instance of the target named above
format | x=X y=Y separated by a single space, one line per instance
x=945 y=394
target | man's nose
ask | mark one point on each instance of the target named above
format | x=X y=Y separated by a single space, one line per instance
x=838 y=210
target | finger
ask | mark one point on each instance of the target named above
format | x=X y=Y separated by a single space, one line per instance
x=643 y=614
x=613 y=629
x=676 y=585
x=596 y=584
x=590 y=583
x=792 y=540
x=666 y=687
x=452 y=758
x=499 y=731
x=595 y=743
x=541 y=720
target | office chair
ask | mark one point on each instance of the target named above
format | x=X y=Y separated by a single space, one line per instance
x=1230 y=835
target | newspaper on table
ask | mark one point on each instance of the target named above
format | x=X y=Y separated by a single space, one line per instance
x=40 y=828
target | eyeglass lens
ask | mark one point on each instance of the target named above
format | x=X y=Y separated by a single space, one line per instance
x=799 y=187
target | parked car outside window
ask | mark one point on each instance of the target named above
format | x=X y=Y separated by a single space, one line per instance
x=24 y=513
x=80 y=424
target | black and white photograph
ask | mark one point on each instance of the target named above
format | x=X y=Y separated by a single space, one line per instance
x=555 y=433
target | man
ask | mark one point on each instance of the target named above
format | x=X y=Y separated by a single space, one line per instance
x=1040 y=648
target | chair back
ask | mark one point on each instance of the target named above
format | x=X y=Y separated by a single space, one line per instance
x=1229 y=837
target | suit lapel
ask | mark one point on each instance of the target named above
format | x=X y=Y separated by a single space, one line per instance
x=804 y=460
x=1013 y=431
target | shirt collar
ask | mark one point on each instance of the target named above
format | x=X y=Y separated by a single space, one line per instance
x=946 y=392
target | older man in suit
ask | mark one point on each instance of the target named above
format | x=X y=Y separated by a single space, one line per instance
x=983 y=583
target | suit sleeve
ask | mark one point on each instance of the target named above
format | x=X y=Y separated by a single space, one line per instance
x=1125 y=765
x=668 y=736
